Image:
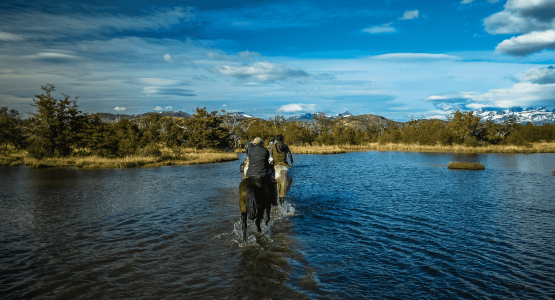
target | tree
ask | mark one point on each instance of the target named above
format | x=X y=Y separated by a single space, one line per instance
x=11 y=132
x=205 y=130
x=52 y=129
x=465 y=127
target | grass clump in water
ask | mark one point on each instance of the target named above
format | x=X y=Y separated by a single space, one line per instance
x=466 y=166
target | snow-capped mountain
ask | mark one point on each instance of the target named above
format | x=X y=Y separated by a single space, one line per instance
x=308 y=116
x=240 y=115
x=535 y=115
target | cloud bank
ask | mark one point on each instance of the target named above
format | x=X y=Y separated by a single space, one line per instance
x=534 y=19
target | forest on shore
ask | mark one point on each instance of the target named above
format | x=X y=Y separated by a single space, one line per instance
x=59 y=129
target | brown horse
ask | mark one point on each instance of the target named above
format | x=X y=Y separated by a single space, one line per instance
x=255 y=199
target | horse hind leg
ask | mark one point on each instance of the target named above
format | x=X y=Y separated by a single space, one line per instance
x=257 y=222
x=244 y=226
x=268 y=209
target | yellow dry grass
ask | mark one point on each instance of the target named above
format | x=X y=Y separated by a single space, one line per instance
x=465 y=166
x=315 y=149
x=169 y=156
x=322 y=149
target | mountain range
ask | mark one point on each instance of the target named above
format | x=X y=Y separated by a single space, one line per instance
x=535 y=115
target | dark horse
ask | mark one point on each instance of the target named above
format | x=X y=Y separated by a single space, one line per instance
x=255 y=199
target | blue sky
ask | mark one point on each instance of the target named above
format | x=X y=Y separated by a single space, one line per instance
x=394 y=58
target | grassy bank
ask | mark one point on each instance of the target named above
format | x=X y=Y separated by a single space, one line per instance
x=316 y=149
x=175 y=156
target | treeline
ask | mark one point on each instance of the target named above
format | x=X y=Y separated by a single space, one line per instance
x=461 y=128
x=58 y=128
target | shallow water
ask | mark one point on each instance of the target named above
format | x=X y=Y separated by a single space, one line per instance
x=356 y=225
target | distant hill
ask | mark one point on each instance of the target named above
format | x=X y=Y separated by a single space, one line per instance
x=108 y=117
x=535 y=115
x=365 y=122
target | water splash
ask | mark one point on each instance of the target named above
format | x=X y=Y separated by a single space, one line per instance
x=254 y=238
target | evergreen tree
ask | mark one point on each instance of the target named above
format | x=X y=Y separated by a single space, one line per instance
x=11 y=131
x=52 y=129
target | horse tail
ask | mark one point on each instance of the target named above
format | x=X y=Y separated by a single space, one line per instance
x=252 y=208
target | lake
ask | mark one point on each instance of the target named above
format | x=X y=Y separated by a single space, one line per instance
x=381 y=225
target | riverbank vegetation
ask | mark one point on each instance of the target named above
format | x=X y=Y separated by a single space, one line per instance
x=541 y=147
x=59 y=134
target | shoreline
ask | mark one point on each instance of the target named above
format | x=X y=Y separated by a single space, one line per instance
x=323 y=149
x=97 y=162
x=181 y=157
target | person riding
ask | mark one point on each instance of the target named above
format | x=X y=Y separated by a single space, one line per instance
x=280 y=153
x=258 y=157
x=249 y=145
x=282 y=161
x=259 y=166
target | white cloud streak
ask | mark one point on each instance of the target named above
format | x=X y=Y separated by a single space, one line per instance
x=263 y=71
x=10 y=37
x=384 y=28
x=414 y=56
x=297 y=107
x=117 y=108
x=410 y=14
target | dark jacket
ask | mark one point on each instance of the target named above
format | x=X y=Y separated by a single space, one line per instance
x=281 y=156
x=249 y=145
x=258 y=161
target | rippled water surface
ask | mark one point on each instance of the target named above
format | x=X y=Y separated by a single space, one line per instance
x=356 y=225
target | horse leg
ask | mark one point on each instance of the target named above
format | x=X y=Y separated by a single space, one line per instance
x=244 y=226
x=257 y=221
x=268 y=209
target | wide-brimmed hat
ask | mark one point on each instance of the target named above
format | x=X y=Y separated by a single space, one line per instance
x=257 y=141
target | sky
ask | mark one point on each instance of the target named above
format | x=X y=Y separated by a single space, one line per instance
x=400 y=59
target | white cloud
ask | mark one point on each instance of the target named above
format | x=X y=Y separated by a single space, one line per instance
x=248 y=55
x=520 y=94
x=385 y=28
x=544 y=75
x=218 y=56
x=169 y=107
x=10 y=37
x=410 y=14
x=224 y=105
x=168 y=58
x=167 y=91
x=528 y=43
x=50 y=56
x=159 y=81
x=297 y=107
x=412 y=56
x=533 y=18
x=158 y=108
x=264 y=71
x=117 y=108
x=466 y=1
x=55 y=25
